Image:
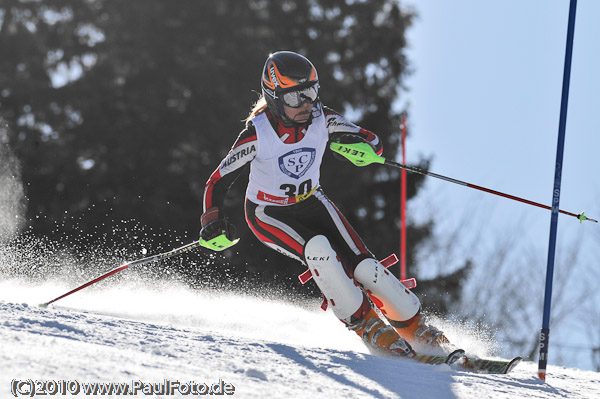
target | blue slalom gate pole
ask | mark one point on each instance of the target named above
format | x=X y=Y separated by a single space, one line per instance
x=543 y=359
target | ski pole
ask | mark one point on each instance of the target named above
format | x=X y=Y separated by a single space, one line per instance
x=362 y=154
x=219 y=243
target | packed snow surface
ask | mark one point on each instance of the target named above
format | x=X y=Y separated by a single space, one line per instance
x=231 y=343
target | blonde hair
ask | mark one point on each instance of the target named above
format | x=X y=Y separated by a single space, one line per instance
x=258 y=108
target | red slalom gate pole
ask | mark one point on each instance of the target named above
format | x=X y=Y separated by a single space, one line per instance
x=403 y=204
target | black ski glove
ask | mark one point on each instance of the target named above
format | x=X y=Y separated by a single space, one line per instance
x=214 y=224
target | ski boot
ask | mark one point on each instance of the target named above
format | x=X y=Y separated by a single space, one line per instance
x=417 y=331
x=380 y=336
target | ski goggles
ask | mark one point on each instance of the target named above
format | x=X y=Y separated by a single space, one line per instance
x=295 y=99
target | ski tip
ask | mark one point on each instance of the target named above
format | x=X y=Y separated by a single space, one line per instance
x=43 y=305
x=512 y=364
x=455 y=356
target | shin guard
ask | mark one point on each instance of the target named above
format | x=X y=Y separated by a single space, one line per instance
x=327 y=270
x=394 y=300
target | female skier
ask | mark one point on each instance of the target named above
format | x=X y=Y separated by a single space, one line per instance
x=285 y=137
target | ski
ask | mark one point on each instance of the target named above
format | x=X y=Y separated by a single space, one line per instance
x=460 y=361
x=488 y=366
x=452 y=358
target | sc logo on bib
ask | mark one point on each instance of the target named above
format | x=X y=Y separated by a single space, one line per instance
x=297 y=162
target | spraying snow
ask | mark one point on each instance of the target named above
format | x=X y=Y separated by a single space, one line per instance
x=136 y=333
x=12 y=197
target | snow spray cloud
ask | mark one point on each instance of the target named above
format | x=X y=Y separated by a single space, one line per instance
x=12 y=197
x=71 y=257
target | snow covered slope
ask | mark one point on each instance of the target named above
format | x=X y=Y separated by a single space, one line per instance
x=260 y=348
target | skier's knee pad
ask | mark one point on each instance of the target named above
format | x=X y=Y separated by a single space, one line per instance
x=387 y=292
x=327 y=270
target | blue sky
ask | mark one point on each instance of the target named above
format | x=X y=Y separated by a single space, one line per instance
x=484 y=103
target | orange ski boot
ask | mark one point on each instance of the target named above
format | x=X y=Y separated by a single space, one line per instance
x=380 y=336
x=416 y=331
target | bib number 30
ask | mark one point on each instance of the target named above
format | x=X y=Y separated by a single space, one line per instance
x=292 y=190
